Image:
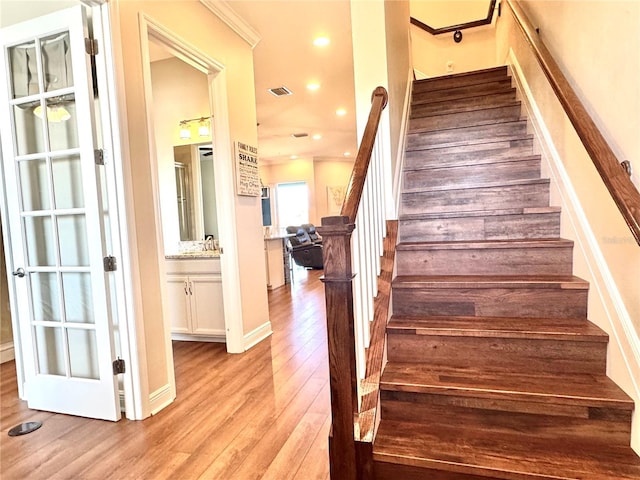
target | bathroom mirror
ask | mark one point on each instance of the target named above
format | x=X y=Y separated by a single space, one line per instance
x=196 y=194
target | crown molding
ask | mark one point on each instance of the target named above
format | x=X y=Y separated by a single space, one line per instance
x=224 y=12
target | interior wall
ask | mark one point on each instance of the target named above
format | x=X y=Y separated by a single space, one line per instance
x=298 y=170
x=180 y=92
x=605 y=252
x=16 y=11
x=195 y=24
x=318 y=173
x=605 y=33
x=329 y=172
x=433 y=53
x=399 y=72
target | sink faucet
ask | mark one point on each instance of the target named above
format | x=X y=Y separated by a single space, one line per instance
x=208 y=243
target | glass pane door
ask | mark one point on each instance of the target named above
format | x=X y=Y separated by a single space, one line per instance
x=55 y=220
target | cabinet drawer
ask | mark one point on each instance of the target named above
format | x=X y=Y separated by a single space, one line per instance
x=190 y=266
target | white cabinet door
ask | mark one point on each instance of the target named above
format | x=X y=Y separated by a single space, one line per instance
x=207 y=312
x=178 y=303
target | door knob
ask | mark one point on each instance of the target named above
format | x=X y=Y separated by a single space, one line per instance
x=19 y=273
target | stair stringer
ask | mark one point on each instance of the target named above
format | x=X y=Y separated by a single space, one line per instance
x=606 y=307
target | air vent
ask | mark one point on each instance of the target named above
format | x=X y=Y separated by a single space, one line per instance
x=299 y=135
x=280 y=91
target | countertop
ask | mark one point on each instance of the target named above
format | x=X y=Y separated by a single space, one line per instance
x=193 y=255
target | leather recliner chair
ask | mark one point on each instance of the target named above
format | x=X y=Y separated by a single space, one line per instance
x=304 y=251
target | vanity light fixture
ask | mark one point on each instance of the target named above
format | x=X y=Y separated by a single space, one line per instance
x=203 y=127
x=55 y=113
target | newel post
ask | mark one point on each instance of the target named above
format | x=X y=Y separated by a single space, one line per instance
x=338 y=276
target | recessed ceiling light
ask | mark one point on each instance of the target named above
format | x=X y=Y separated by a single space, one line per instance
x=293 y=157
x=347 y=154
x=313 y=86
x=317 y=136
x=321 y=41
x=341 y=112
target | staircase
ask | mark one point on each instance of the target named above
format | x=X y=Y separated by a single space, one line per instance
x=493 y=369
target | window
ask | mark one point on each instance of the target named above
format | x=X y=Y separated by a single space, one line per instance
x=292 y=200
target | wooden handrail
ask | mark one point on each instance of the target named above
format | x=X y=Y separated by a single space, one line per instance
x=351 y=203
x=615 y=177
x=461 y=26
x=345 y=457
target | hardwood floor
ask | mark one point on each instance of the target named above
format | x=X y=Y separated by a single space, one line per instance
x=262 y=414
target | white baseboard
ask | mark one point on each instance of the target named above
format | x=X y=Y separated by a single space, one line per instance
x=217 y=338
x=618 y=323
x=257 y=335
x=160 y=399
x=7 y=352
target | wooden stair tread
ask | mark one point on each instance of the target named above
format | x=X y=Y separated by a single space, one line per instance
x=483 y=92
x=576 y=329
x=448 y=188
x=482 y=244
x=490 y=281
x=478 y=213
x=453 y=80
x=500 y=452
x=468 y=162
x=574 y=389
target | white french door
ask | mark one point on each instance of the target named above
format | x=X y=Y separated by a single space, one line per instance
x=56 y=217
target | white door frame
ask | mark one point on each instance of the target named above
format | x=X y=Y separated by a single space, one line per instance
x=224 y=178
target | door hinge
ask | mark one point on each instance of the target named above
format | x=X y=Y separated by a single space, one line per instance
x=110 y=264
x=118 y=366
x=91 y=46
x=99 y=156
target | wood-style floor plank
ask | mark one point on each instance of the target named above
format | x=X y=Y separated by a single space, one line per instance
x=261 y=414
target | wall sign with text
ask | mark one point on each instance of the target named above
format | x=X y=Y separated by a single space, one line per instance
x=247 y=176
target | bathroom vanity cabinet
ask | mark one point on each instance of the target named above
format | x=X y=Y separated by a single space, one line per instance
x=195 y=305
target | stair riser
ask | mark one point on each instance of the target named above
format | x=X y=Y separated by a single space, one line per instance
x=491 y=302
x=442 y=105
x=486 y=261
x=485 y=198
x=472 y=174
x=449 y=82
x=470 y=154
x=493 y=227
x=517 y=354
x=461 y=93
x=394 y=471
x=486 y=116
x=457 y=137
x=509 y=410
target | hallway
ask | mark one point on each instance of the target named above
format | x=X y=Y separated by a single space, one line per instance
x=260 y=415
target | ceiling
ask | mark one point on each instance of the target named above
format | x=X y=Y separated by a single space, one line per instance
x=286 y=56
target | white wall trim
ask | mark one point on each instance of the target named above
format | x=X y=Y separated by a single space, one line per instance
x=256 y=335
x=7 y=353
x=420 y=75
x=402 y=145
x=224 y=12
x=161 y=398
x=619 y=323
x=214 y=338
